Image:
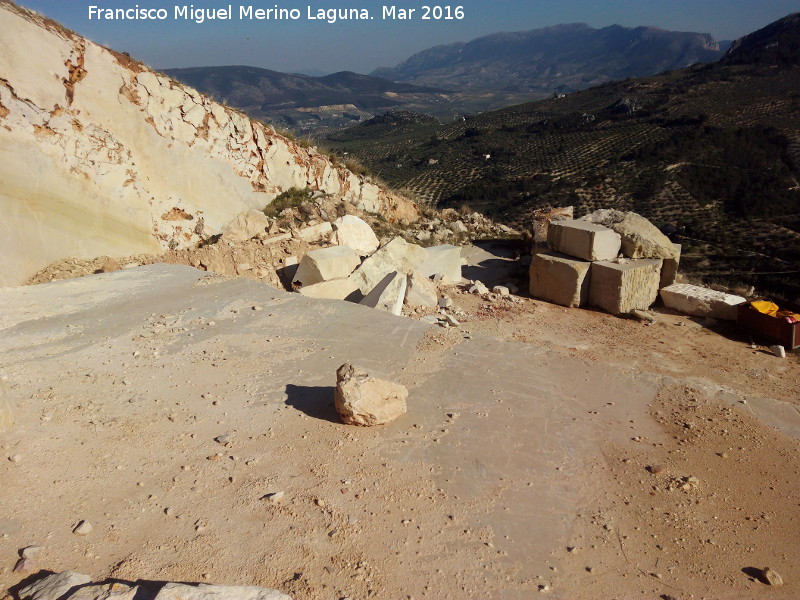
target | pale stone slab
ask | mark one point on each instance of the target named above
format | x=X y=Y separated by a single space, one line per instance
x=6 y=408
x=325 y=264
x=364 y=400
x=444 y=260
x=315 y=232
x=389 y=294
x=421 y=291
x=621 y=288
x=398 y=255
x=560 y=279
x=355 y=232
x=701 y=302
x=333 y=289
x=182 y=591
x=640 y=238
x=584 y=240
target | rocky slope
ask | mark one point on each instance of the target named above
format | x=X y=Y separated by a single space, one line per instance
x=563 y=57
x=101 y=155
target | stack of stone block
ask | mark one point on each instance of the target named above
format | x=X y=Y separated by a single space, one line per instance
x=584 y=267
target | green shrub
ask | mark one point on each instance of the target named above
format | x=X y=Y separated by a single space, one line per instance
x=291 y=198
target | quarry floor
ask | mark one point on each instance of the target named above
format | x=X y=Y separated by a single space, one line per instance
x=546 y=452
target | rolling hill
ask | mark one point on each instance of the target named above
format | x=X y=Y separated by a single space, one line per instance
x=559 y=58
x=710 y=153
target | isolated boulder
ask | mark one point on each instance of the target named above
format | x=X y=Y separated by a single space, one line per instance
x=356 y=233
x=325 y=264
x=245 y=226
x=6 y=408
x=389 y=294
x=640 y=238
x=364 y=400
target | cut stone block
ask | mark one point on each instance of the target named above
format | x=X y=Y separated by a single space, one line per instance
x=669 y=271
x=333 y=289
x=444 y=260
x=315 y=232
x=6 y=409
x=584 y=240
x=701 y=302
x=325 y=264
x=389 y=294
x=398 y=255
x=621 y=288
x=542 y=218
x=421 y=291
x=560 y=279
x=355 y=232
x=640 y=238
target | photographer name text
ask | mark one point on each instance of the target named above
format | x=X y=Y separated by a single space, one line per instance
x=188 y=12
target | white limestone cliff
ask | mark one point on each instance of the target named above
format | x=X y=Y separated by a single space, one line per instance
x=99 y=155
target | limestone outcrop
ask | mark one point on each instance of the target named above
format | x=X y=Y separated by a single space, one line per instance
x=99 y=155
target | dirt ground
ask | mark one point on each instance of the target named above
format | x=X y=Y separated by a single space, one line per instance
x=691 y=501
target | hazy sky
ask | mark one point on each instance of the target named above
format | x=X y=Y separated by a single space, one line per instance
x=319 y=47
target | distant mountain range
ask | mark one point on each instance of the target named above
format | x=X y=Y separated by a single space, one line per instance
x=710 y=153
x=301 y=101
x=559 y=58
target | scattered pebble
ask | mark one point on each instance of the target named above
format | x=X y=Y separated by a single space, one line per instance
x=25 y=565
x=274 y=497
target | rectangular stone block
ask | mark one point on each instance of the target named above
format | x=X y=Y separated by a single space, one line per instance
x=620 y=288
x=701 y=302
x=584 y=240
x=444 y=260
x=560 y=279
x=669 y=271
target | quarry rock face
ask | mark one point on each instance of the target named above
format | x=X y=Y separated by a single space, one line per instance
x=101 y=156
x=364 y=400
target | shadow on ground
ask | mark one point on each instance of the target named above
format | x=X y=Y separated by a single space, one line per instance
x=316 y=402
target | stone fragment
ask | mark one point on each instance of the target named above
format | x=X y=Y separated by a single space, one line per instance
x=397 y=255
x=444 y=260
x=458 y=227
x=275 y=497
x=53 y=587
x=451 y=320
x=623 y=288
x=421 y=291
x=560 y=279
x=83 y=528
x=445 y=302
x=389 y=294
x=365 y=400
x=501 y=290
x=640 y=238
x=542 y=218
x=202 y=591
x=109 y=265
x=24 y=565
x=6 y=408
x=771 y=576
x=669 y=271
x=326 y=264
x=315 y=232
x=700 y=301
x=584 y=240
x=356 y=233
x=342 y=288
x=778 y=351
x=478 y=288
x=246 y=225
